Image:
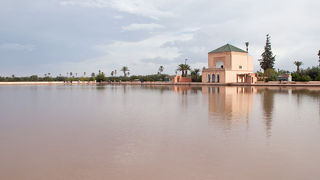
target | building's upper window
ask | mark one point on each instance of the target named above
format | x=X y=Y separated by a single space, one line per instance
x=219 y=64
x=240 y=67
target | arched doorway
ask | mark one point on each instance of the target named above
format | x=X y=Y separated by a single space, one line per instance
x=208 y=78
x=218 y=78
x=213 y=78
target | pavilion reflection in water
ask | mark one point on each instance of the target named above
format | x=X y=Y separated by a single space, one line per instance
x=229 y=104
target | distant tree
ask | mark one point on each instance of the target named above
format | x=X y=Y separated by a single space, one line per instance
x=93 y=74
x=298 y=64
x=115 y=72
x=84 y=73
x=100 y=77
x=268 y=59
x=195 y=75
x=161 y=68
x=270 y=74
x=128 y=73
x=34 y=78
x=124 y=69
x=319 y=57
x=247 y=46
x=70 y=73
x=184 y=68
x=112 y=72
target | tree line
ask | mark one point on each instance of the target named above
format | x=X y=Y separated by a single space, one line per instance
x=114 y=76
x=270 y=74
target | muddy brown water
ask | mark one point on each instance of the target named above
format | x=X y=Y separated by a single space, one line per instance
x=159 y=133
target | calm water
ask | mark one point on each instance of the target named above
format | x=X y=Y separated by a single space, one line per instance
x=159 y=133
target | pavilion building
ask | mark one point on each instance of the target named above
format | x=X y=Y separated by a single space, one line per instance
x=229 y=64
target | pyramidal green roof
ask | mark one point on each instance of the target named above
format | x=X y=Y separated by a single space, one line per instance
x=227 y=48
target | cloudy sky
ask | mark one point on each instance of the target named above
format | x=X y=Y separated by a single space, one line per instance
x=60 y=36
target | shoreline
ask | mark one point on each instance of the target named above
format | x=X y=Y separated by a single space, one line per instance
x=266 y=84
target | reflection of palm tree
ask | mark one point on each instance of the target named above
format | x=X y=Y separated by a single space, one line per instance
x=298 y=64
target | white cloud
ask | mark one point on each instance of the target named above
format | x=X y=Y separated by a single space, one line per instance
x=137 y=7
x=17 y=46
x=117 y=17
x=138 y=56
x=135 y=27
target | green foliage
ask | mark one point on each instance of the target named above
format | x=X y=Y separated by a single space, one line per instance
x=309 y=74
x=125 y=69
x=154 y=77
x=270 y=75
x=195 y=75
x=184 y=68
x=268 y=59
x=300 y=77
x=298 y=64
x=100 y=77
x=313 y=72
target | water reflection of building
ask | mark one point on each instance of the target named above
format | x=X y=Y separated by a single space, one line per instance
x=186 y=89
x=229 y=103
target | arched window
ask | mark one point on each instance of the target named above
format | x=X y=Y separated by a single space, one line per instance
x=213 y=78
x=218 y=78
x=219 y=64
x=208 y=78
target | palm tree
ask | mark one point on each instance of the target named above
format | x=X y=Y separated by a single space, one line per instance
x=181 y=68
x=112 y=72
x=298 y=64
x=195 y=74
x=124 y=69
x=115 y=72
x=161 y=68
x=247 y=46
x=84 y=73
x=70 y=73
x=184 y=68
x=319 y=57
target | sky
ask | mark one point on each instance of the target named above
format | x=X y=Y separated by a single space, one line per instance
x=60 y=36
